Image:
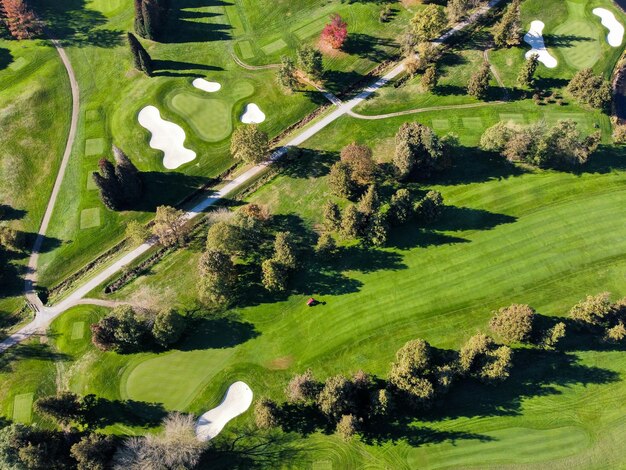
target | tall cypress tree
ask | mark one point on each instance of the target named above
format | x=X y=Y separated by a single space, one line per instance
x=141 y=58
x=110 y=189
x=140 y=28
x=128 y=176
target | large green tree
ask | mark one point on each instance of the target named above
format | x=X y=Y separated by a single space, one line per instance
x=507 y=32
x=249 y=144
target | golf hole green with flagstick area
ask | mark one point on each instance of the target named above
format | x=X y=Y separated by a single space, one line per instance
x=210 y=115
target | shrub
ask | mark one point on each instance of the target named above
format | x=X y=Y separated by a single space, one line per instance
x=168 y=327
x=336 y=397
x=593 y=310
x=347 y=427
x=266 y=413
x=513 y=323
x=302 y=388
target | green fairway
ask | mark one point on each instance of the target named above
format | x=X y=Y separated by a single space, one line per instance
x=22 y=408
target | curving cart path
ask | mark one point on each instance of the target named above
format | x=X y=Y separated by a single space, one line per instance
x=45 y=315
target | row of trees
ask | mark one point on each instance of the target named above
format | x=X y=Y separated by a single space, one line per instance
x=150 y=17
x=126 y=330
x=19 y=19
x=560 y=146
x=597 y=314
x=120 y=183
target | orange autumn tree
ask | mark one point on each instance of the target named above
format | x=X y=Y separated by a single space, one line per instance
x=336 y=32
x=20 y=20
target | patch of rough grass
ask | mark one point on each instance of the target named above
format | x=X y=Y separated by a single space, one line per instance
x=90 y=218
x=22 y=408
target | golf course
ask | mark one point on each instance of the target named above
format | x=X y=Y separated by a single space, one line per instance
x=199 y=293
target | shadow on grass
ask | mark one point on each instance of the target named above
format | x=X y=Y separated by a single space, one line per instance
x=102 y=412
x=564 y=40
x=184 y=25
x=73 y=24
x=370 y=47
x=604 y=160
x=5 y=58
x=29 y=351
x=217 y=333
x=250 y=448
x=174 y=68
x=465 y=218
x=178 y=185
x=306 y=163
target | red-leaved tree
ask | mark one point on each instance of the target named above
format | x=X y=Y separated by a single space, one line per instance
x=336 y=32
x=20 y=19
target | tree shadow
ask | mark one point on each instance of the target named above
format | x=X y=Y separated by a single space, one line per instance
x=184 y=26
x=102 y=412
x=564 y=40
x=370 y=47
x=408 y=237
x=605 y=159
x=337 y=82
x=252 y=449
x=5 y=58
x=10 y=213
x=465 y=218
x=473 y=165
x=547 y=83
x=73 y=24
x=217 y=333
x=178 y=186
x=401 y=428
x=32 y=351
x=306 y=163
x=164 y=68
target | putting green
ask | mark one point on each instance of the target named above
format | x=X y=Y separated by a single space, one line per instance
x=173 y=379
x=581 y=37
x=210 y=115
x=22 y=408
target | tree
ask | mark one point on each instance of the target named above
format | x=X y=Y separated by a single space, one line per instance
x=616 y=333
x=507 y=32
x=122 y=330
x=347 y=426
x=563 y=147
x=351 y=222
x=168 y=327
x=266 y=413
x=225 y=237
x=335 y=33
x=369 y=202
x=380 y=402
x=513 y=323
x=275 y=276
x=526 y=75
x=427 y=55
x=496 y=137
x=141 y=58
x=418 y=150
x=249 y=144
x=359 y=159
x=136 y=232
x=340 y=180
x=285 y=250
x=302 y=388
x=410 y=372
x=218 y=277
x=401 y=207
x=258 y=212
x=376 y=233
x=140 y=29
x=553 y=336
x=591 y=89
x=481 y=358
x=111 y=192
x=310 y=61
x=336 y=397
x=93 y=452
x=128 y=176
x=150 y=17
x=408 y=42
x=478 y=84
x=429 y=78
x=326 y=246
x=170 y=226
x=594 y=310
x=11 y=239
x=103 y=333
x=20 y=20
x=429 y=23
x=64 y=408
x=456 y=10
x=332 y=216
x=429 y=209
x=286 y=73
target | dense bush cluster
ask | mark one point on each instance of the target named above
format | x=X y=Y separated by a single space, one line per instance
x=126 y=330
x=591 y=89
x=560 y=146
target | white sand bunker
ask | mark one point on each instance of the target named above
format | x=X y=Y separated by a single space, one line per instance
x=534 y=38
x=166 y=136
x=252 y=114
x=616 y=30
x=237 y=400
x=205 y=85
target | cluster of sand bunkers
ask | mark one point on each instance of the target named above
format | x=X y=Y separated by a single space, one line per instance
x=534 y=36
x=169 y=137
